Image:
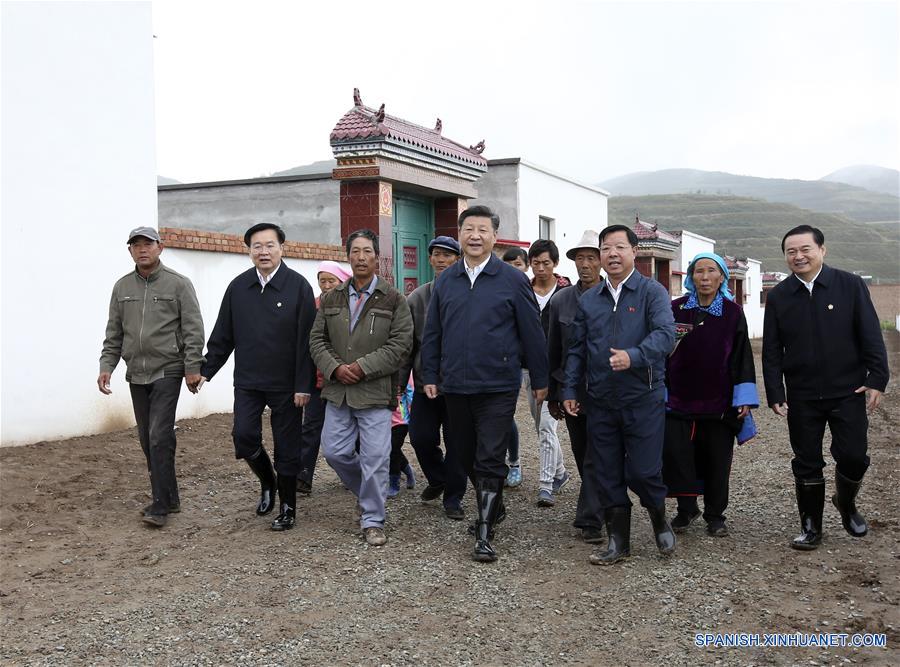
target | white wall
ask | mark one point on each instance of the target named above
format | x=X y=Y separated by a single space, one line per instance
x=752 y=291
x=574 y=207
x=78 y=173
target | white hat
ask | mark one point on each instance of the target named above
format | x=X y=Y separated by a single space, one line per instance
x=590 y=239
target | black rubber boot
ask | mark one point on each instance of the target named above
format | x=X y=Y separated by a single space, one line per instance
x=662 y=531
x=618 y=527
x=261 y=465
x=488 y=496
x=810 y=502
x=845 y=501
x=287 y=494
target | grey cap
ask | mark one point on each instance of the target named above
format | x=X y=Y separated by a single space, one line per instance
x=590 y=239
x=445 y=242
x=146 y=232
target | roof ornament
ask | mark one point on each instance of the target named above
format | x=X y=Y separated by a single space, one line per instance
x=379 y=115
x=438 y=126
x=357 y=99
x=478 y=148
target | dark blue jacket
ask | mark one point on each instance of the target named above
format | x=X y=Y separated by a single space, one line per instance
x=824 y=345
x=268 y=330
x=477 y=337
x=641 y=324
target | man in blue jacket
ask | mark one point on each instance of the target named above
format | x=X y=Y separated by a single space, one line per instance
x=483 y=322
x=822 y=338
x=265 y=319
x=622 y=332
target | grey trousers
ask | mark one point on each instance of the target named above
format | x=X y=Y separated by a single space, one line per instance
x=365 y=473
x=154 y=411
x=551 y=455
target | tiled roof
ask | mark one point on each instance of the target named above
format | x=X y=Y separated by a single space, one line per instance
x=360 y=123
x=647 y=231
x=736 y=263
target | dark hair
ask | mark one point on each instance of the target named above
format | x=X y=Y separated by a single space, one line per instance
x=629 y=232
x=262 y=226
x=363 y=234
x=818 y=236
x=541 y=246
x=480 y=212
x=512 y=254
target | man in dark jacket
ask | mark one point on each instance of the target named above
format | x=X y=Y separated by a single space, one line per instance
x=483 y=321
x=822 y=337
x=622 y=332
x=560 y=315
x=428 y=416
x=265 y=319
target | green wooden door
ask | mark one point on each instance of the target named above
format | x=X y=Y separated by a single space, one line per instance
x=413 y=229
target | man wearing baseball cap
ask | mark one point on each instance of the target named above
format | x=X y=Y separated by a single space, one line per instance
x=428 y=416
x=155 y=326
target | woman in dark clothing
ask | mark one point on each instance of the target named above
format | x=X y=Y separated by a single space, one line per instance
x=711 y=385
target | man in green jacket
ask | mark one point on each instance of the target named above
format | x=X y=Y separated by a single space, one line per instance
x=156 y=327
x=362 y=335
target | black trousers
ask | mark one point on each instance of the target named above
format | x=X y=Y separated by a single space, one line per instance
x=311 y=435
x=154 y=411
x=427 y=419
x=577 y=427
x=697 y=461
x=589 y=511
x=849 y=424
x=479 y=433
x=625 y=451
x=398 y=459
x=286 y=423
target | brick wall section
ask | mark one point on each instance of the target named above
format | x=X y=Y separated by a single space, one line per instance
x=196 y=239
x=886 y=299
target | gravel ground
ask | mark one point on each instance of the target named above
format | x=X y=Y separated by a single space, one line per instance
x=85 y=582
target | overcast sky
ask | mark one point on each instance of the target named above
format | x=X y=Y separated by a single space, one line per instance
x=589 y=89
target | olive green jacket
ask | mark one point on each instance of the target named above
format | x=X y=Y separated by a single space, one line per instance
x=155 y=326
x=380 y=343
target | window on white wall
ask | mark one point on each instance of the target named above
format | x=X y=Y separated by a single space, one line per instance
x=546 y=228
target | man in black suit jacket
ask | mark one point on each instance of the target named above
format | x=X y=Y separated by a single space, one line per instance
x=823 y=339
x=265 y=319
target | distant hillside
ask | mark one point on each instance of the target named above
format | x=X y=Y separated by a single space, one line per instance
x=320 y=167
x=751 y=227
x=870 y=177
x=165 y=180
x=853 y=202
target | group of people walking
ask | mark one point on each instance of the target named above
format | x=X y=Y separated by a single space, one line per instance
x=654 y=392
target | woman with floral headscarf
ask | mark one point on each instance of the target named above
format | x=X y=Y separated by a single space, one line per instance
x=711 y=382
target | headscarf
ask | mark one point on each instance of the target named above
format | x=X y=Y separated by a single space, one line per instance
x=689 y=279
x=334 y=269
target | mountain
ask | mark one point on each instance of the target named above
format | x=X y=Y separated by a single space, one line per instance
x=320 y=167
x=868 y=176
x=853 y=202
x=753 y=228
x=165 y=180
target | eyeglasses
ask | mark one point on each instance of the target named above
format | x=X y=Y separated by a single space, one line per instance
x=260 y=247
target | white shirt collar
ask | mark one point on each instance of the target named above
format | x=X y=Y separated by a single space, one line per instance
x=264 y=280
x=473 y=273
x=616 y=291
x=809 y=285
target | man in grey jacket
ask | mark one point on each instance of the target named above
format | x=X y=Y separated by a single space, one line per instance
x=156 y=327
x=620 y=338
x=361 y=336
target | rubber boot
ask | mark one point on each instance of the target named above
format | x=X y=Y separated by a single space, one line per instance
x=393 y=486
x=287 y=494
x=261 y=465
x=488 y=497
x=618 y=527
x=845 y=501
x=662 y=531
x=810 y=502
x=410 y=477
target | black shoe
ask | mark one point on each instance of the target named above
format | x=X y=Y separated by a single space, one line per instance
x=155 y=520
x=845 y=501
x=592 y=535
x=489 y=497
x=432 y=491
x=455 y=512
x=287 y=493
x=261 y=465
x=810 y=502
x=304 y=488
x=682 y=520
x=715 y=528
x=662 y=531
x=173 y=509
x=618 y=527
